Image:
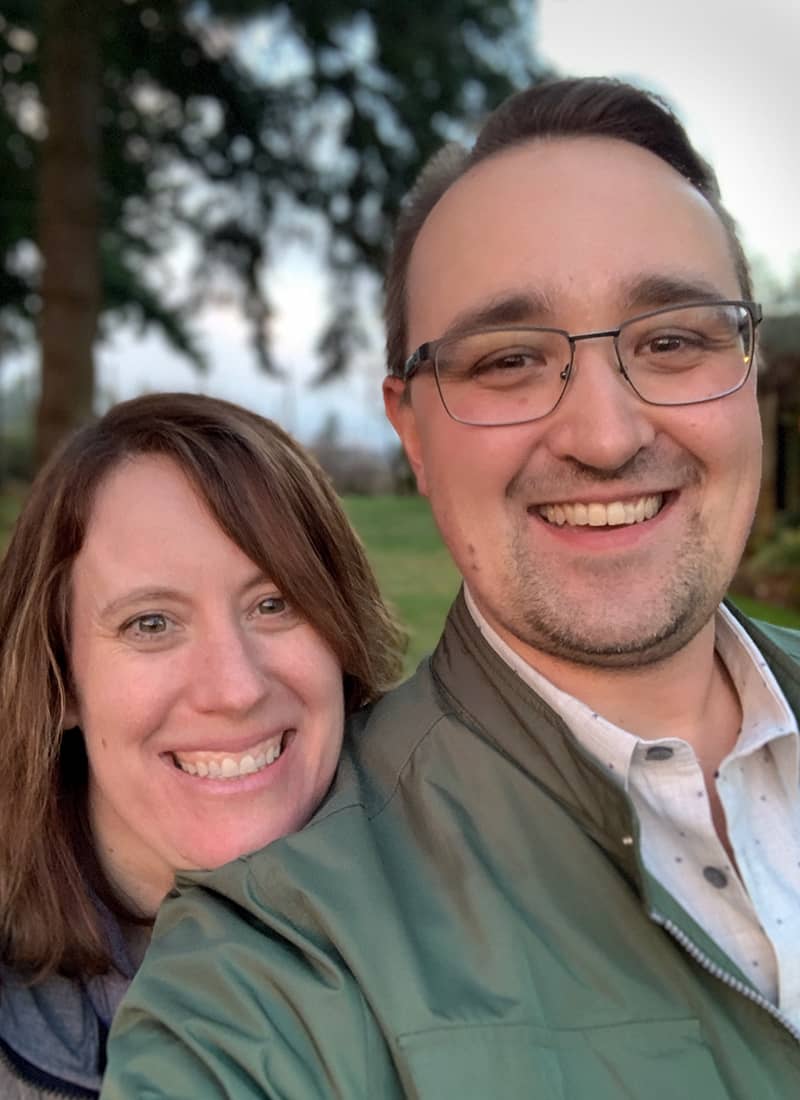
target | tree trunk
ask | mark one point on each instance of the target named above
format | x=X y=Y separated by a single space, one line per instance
x=68 y=213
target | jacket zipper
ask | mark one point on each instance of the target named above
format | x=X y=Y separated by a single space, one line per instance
x=753 y=995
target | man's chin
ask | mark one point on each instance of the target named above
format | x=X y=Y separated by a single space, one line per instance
x=607 y=642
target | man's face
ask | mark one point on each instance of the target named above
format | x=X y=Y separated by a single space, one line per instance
x=587 y=232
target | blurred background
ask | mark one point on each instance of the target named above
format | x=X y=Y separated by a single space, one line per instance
x=199 y=196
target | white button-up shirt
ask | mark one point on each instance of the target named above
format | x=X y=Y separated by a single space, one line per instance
x=753 y=913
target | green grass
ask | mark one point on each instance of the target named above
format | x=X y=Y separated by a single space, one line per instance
x=414 y=570
x=757 y=609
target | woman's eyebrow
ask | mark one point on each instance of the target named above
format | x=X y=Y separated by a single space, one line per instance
x=156 y=594
x=256 y=580
x=145 y=594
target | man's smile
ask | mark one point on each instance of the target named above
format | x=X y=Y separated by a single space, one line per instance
x=616 y=513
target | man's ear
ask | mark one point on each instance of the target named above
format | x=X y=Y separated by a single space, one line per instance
x=401 y=415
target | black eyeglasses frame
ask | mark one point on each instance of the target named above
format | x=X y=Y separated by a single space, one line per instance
x=427 y=353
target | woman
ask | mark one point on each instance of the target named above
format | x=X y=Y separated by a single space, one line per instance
x=186 y=617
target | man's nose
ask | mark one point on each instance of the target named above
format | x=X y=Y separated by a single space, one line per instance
x=228 y=673
x=600 y=421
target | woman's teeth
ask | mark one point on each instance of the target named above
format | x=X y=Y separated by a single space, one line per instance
x=225 y=765
x=616 y=514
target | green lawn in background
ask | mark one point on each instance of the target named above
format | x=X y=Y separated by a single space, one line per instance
x=414 y=570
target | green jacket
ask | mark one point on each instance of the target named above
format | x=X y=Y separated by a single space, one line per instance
x=466 y=917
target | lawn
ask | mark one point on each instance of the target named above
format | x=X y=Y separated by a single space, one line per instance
x=414 y=570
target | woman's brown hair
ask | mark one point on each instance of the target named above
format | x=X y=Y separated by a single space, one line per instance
x=276 y=504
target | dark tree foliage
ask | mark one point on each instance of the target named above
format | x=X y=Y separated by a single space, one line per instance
x=224 y=123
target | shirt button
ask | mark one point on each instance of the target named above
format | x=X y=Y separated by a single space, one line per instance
x=659 y=752
x=715 y=877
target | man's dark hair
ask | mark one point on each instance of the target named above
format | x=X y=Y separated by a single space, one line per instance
x=581 y=107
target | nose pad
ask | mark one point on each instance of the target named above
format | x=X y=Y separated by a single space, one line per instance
x=626 y=376
x=621 y=365
x=599 y=424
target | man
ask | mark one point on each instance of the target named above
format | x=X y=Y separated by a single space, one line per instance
x=563 y=861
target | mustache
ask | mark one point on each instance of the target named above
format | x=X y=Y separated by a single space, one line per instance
x=650 y=469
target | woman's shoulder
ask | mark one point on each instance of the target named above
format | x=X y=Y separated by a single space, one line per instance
x=53 y=1034
x=13 y=1087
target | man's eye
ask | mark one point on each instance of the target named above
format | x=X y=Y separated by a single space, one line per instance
x=667 y=343
x=508 y=360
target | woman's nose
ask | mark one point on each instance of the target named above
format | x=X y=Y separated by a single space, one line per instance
x=229 y=673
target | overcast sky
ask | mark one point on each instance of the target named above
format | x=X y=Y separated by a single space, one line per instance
x=730 y=68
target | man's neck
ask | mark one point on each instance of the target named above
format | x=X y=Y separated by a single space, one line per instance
x=688 y=695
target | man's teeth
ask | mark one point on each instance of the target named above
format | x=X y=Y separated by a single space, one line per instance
x=616 y=514
x=218 y=765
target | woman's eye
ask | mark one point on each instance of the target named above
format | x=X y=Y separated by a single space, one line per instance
x=271 y=605
x=149 y=625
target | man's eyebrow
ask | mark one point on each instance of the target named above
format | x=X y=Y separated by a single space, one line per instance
x=527 y=308
x=534 y=307
x=653 y=291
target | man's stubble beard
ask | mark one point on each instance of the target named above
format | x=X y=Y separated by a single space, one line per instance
x=541 y=614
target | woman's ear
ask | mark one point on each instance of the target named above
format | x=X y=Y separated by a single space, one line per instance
x=71 y=717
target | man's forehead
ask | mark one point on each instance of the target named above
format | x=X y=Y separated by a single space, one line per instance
x=553 y=218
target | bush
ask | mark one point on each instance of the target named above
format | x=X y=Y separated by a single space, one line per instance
x=354 y=469
x=773 y=572
x=780 y=553
x=16 y=456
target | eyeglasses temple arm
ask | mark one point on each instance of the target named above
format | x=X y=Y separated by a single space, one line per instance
x=411 y=365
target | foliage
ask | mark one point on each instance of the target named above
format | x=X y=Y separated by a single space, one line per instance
x=772 y=573
x=780 y=553
x=768 y=612
x=225 y=124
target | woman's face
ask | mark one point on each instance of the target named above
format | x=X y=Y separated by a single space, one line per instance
x=212 y=712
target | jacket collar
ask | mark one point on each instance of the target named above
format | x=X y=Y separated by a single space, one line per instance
x=492 y=700
x=496 y=704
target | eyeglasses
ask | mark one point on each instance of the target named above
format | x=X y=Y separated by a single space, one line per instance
x=680 y=355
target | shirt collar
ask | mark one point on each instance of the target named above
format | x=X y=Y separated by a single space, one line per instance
x=766 y=715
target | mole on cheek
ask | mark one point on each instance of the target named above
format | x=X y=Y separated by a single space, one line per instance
x=103 y=742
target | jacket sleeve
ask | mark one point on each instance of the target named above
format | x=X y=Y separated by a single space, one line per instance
x=229 y=1005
